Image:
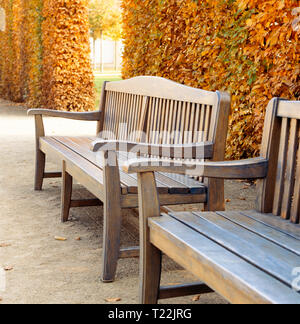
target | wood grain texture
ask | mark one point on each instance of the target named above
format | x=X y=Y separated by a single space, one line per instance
x=40 y=158
x=150 y=259
x=66 y=193
x=112 y=220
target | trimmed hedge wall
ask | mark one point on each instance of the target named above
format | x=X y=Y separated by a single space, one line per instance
x=246 y=47
x=45 y=55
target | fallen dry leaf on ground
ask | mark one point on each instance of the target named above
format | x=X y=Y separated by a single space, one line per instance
x=196 y=298
x=112 y=300
x=58 y=238
x=242 y=198
x=228 y=200
x=78 y=238
x=4 y=245
x=8 y=268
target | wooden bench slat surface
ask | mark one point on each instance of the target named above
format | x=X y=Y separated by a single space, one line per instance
x=275 y=222
x=270 y=233
x=80 y=146
x=177 y=184
x=173 y=186
x=167 y=183
x=231 y=276
x=83 y=147
x=258 y=251
x=83 y=167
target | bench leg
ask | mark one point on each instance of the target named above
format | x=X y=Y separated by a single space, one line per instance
x=112 y=223
x=66 y=194
x=40 y=161
x=151 y=257
x=216 y=195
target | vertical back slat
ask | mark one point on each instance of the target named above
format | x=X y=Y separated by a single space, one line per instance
x=168 y=113
x=178 y=137
x=207 y=122
x=282 y=158
x=295 y=213
x=290 y=170
x=158 y=119
x=202 y=122
x=196 y=123
x=269 y=150
x=112 y=123
x=191 y=124
x=171 y=135
x=186 y=119
x=162 y=122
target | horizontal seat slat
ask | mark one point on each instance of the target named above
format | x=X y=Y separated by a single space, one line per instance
x=263 y=230
x=166 y=184
x=226 y=273
x=176 y=185
x=275 y=222
x=258 y=251
x=81 y=146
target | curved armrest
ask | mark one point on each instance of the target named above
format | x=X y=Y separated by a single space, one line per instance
x=187 y=151
x=245 y=169
x=87 y=116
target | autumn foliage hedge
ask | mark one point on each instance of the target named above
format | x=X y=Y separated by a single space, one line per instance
x=249 y=48
x=45 y=56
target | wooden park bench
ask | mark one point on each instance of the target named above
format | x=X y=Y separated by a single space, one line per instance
x=245 y=256
x=144 y=109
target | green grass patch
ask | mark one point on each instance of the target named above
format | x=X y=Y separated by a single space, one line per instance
x=99 y=79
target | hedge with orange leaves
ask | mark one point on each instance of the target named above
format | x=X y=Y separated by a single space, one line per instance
x=246 y=47
x=11 y=58
x=45 y=56
x=33 y=52
x=68 y=82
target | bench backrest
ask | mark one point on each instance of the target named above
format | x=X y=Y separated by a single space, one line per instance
x=167 y=113
x=279 y=193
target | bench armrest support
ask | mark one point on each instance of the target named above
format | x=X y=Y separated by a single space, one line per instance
x=188 y=151
x=256 y=168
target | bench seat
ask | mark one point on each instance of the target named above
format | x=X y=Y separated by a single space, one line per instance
x=243 y=256
x=77 y=152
